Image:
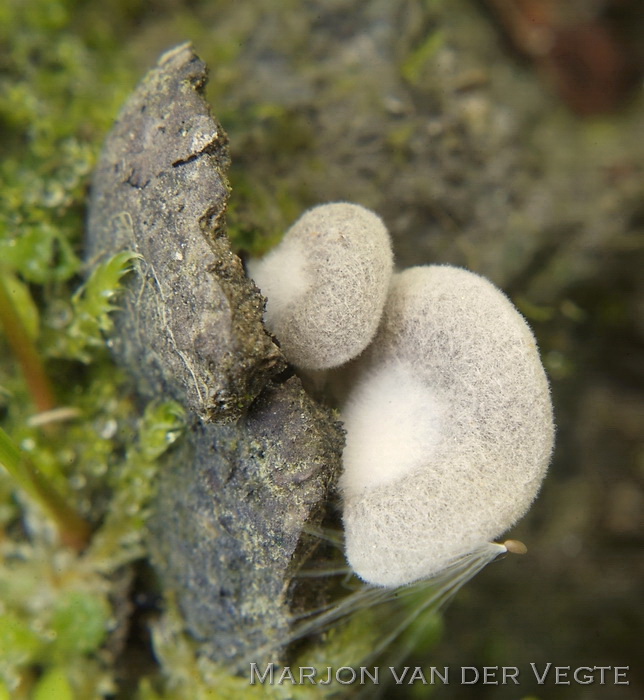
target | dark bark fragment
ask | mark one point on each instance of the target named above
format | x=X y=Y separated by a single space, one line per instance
x=234 y=497
x=191 y=324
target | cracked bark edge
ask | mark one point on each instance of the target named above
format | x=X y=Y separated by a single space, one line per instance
x=191 y=326
x=234 y=496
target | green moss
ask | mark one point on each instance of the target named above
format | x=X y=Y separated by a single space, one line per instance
x=419 y=60
x=80 y=623
x=61 y=85
x=54 y=685
x=68 y=597
x=89 y=312
x=19 y=645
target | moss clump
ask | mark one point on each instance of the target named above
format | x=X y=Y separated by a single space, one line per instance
x=62 y=612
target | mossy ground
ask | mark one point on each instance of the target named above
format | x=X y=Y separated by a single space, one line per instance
x=406 y=107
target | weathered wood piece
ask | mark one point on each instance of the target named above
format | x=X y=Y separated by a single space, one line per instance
x=256 y=465
x=191 y=328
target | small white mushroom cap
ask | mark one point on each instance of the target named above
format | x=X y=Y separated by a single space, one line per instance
x=326 y=284
x=449 y=427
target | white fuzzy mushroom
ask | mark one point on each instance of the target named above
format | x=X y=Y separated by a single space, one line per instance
x=326 y=284
x=449 y=427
